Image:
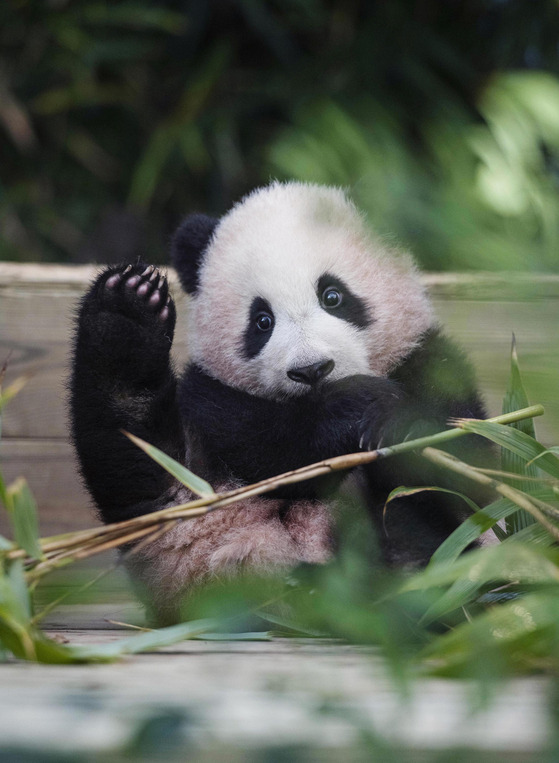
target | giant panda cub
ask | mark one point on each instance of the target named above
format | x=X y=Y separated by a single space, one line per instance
x=308 y=338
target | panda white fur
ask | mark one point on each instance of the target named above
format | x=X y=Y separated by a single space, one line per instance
x=308 y=338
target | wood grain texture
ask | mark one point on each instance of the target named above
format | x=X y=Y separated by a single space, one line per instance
x=286 y=699
x=38 y=303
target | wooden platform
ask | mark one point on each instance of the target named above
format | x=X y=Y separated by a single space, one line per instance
x=285 y=700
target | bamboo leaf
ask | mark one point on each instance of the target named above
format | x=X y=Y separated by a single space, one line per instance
x=400 y=492
x=535 y=535
x=23 y=514
x=554 y=450
x=12 y=603
x=145 y=641
x=12 y=390
x=521 y=630
x=516 y=397
x=180 y=472
x=504 y=562
x=4 y=493
x=541 y=510
x=485 y=519
x=518 y=442
x=471 y=529
x=29 y=643
x=288 y=625
x=254 y=636
x=14 y=636
x=16 y=579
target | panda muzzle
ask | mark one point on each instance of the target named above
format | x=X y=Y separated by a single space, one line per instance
x=312 y=374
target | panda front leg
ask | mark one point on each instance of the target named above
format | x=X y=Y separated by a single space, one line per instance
x=122 y=379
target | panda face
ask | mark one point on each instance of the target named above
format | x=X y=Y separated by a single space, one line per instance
x=292 y=291
x=313 y=331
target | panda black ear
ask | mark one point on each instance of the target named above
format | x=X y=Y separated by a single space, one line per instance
x=188 y=246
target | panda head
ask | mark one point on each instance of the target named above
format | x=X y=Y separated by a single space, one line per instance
x=290 y=288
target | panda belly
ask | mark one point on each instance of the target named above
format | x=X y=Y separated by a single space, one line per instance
x=260 y=535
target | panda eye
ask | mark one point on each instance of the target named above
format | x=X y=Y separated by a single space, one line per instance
x=264 y=322
x=331 y=297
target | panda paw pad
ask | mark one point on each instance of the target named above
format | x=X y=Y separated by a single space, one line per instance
x=140 y=289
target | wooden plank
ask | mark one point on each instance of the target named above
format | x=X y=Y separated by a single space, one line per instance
x=285 y=699
x=51 y=470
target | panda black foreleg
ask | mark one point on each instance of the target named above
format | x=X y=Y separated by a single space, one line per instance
x=122 y=379
x=253 y=438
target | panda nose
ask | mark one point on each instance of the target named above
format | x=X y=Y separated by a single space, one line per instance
x=313 y=373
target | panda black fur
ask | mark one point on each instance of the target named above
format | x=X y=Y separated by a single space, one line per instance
x=308 y=339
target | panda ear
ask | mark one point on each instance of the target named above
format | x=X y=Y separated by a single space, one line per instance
x=188 y=246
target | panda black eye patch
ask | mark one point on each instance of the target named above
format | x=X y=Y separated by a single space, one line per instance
x=259 y=328
x=336 y=298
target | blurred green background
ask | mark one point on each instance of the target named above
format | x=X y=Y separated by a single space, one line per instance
x=441 y=117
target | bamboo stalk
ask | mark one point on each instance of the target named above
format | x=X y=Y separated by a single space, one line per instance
x=507 y=491
x=452 y=434
x=63 y=549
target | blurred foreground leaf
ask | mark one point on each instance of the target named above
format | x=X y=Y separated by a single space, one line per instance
x=25 y=641
x=22 y=510
x=504 y=562
x=520 y=634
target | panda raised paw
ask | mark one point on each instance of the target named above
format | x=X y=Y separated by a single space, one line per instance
x=125 y=326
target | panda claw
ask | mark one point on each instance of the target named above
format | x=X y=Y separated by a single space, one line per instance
x=154 y=275
x=147 y=271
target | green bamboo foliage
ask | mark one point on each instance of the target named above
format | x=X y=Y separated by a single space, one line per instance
x=22 y=510
x=516 y=397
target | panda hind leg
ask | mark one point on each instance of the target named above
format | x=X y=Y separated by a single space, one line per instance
x=122 y=379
